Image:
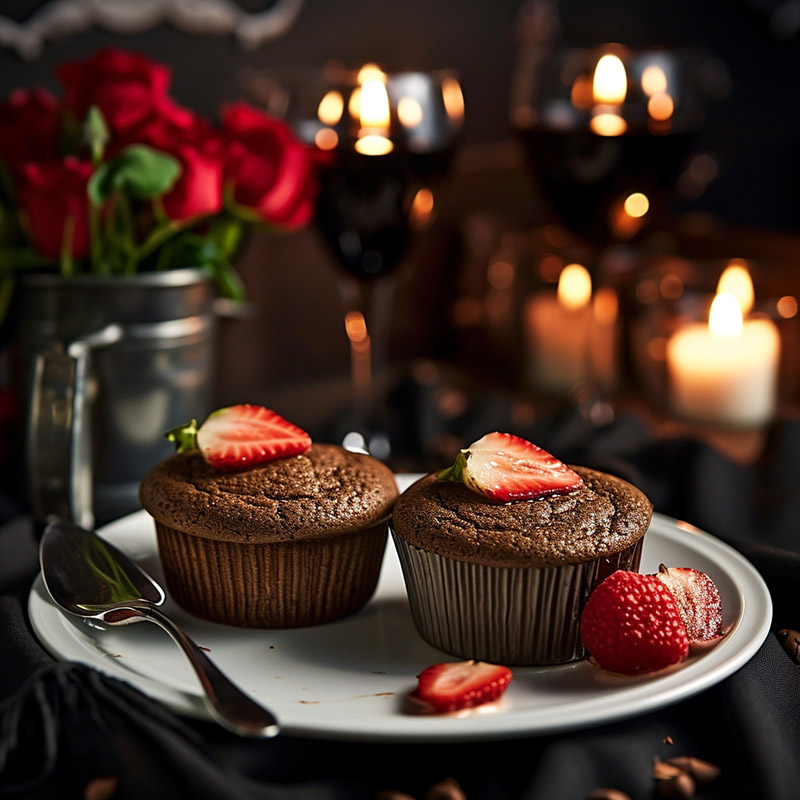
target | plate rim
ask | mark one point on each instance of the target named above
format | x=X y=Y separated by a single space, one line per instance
x=747 y=634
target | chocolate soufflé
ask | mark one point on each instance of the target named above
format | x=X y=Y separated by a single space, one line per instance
x=506 y=582
x=293 y=542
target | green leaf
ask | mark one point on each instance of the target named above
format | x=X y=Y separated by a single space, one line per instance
x=16 y=259
x=191 y=249
x=96 y=133
x=139 y=172
x=70 y=134
x=184 y=437
x=227 y=232
x=67 y=265
x=228 y=281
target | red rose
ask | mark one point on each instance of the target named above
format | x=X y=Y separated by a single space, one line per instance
x=199 y=149
x=49 y=195
x=272 y=173
x=29 y=122
x=127 y=87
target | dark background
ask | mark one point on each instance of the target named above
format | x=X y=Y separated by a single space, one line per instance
x=294 y=335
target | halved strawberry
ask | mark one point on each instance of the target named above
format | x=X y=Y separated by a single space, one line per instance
x=460 y=684
x=698 y=600
x=631 y=624
x=241 y=436
x=505 y=467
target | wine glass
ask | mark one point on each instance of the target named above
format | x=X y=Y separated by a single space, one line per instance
x=389 y=140
x=610 y=135
x=610 y=131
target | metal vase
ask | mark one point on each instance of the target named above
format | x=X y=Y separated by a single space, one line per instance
x=107 y=365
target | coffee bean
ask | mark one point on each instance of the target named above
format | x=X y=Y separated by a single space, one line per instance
x=447 y=789
x=791 y=643
x=663 y=771
x=392 y=794
x=680 y=786
x=101 y=788
x=607 y=794
x=703 y=772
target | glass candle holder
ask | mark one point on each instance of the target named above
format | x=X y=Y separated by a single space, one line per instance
x=571 y=330
x=711 y=349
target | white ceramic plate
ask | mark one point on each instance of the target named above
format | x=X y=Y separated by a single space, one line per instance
x=348 y=679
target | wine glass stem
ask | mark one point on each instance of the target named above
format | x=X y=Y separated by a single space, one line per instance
x=368 y=310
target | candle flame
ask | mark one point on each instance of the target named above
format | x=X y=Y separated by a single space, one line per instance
x=330 y=108
x=374 y=108
x=661 y=106
x=421 y=209
x=581 y=93
x=654 y=80
x=453 y=99
x=374 y=145
x=610 y=83
x=373 y=112
x=326 y=138
x=371 y=72
x=725 y=317
x=354 y=103
x=608 y=123
x=736 y=280
x=787 y=306
x=409 y=112
x=574 y=287
x=605 y=306
x=636 y=205
x=355 y=327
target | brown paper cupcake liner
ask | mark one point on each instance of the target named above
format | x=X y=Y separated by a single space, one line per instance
x=523 y=616
x=274 y=585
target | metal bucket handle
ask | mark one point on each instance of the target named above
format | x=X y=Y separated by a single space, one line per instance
x=59 y=442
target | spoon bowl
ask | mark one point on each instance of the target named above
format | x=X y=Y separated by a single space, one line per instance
x=90 y=578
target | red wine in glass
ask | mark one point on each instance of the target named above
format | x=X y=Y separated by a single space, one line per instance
x=585 y=178
x=368 y=206
x=389 y=139
x=601 y=124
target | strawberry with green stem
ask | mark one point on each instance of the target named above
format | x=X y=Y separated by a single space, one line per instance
x=240 y=437
x=504 y=467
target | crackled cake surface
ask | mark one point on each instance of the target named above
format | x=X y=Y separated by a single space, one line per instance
x=326 y=491
x=599 y=518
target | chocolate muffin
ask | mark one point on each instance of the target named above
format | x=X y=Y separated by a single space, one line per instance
x=506 y=582
x=293 y=542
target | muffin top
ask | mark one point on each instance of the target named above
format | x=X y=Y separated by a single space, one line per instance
x=326 y=491
x=599 y=518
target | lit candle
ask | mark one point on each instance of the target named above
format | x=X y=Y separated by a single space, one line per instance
x=725 y=372
x=609 y=87
x=557 y=332
x=660 y=103
x=372 y=106
x=736 y=280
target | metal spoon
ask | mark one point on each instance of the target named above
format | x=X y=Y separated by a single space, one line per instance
x=90 y=578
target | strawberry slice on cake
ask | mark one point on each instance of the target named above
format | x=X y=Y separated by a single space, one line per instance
x=504 y=467
x=241 y=436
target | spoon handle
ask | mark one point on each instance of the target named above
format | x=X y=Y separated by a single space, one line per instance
x=228 y=704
